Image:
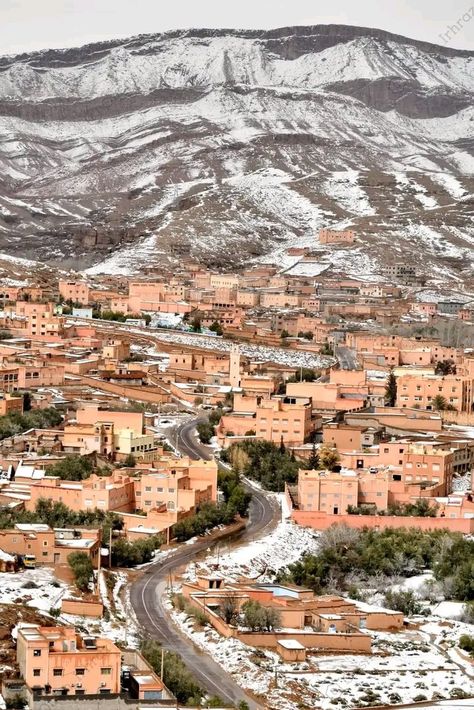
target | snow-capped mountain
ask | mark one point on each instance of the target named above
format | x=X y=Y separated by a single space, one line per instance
x=229 y=145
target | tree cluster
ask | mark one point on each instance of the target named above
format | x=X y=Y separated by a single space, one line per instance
x=257 y=617
x=57 y=515
x=205 y=432
x=263 y=461
x=209 y=516
x=394 y=551
x=72 y=468
x=138 y=552
x=16 y=423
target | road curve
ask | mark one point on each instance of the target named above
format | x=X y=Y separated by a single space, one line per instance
x=148 y=592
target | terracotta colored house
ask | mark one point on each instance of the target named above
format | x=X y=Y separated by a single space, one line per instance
x=57 y=661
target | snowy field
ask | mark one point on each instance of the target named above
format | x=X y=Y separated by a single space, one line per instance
x=36 y=588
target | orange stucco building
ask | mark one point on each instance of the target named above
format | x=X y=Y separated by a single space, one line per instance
x=57 y=661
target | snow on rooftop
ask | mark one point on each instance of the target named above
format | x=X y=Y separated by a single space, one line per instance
x=291 y=644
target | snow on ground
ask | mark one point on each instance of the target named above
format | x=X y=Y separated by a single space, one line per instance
x=343 y=186
x=119 y=623
x=45 y=595
x=401 y=668
x=450 y=184
x=260 y=559
x=282 y=356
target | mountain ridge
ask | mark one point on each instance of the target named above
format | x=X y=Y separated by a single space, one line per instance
x=210 y=144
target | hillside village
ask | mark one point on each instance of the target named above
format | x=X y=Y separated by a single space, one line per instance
x=272 y=466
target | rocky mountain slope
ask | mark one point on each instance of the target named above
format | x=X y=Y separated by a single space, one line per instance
x=230 y=145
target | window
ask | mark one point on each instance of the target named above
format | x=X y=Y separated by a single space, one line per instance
x=57 y=671
x=36 y=672
x=37 y=652
x=80 y=671
x=80 y=692
x=106 y=671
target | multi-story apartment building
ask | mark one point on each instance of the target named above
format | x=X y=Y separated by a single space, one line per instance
x=58 y=661
x=421 y=391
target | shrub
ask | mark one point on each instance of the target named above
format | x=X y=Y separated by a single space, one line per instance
x=259 y=618
x=81 y=566
x=205 y=431
x=131 y=554
x=466 y=643
x=404 y=601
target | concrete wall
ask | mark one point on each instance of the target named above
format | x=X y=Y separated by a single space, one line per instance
x=140 y=394
x=82 y=607
x=322 y=521
x=355 y=643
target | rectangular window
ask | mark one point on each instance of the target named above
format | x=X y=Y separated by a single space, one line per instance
x=80 y=671
x=57 y=671
x=106 y=671
x=36 y=672
x=37 y=652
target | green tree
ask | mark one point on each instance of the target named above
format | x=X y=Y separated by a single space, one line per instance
x=391 y=389
x=175 y=674
x=445 y=367
x=404 y=601
x=130 y=461
x=216 y=327
x=313 y=461
x=328 y=457
x=439 y=403
x=196 y=324
x=257 y=617
x=72 y=468
x=205 y=431
x=82 y=569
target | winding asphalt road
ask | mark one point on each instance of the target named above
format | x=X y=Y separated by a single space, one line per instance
x=148 y=593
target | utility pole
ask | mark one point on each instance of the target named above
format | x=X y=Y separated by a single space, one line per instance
x=110 y=547
x=99 y=559
x=162 y=664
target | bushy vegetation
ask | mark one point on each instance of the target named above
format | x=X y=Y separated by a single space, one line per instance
x=72 y=468
x=396 y=551
x=139 y=552
x=260 y=618
x=16 y=423
x=175 y=674
x=205 y=431
x=82 y=569
x=57 y=515
x=119 y=316
x=404 y=601
x=209 y=516
x=262 y=461
x=235 y=495
x=466 y=642
x=236 y=502
x=421 y=508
